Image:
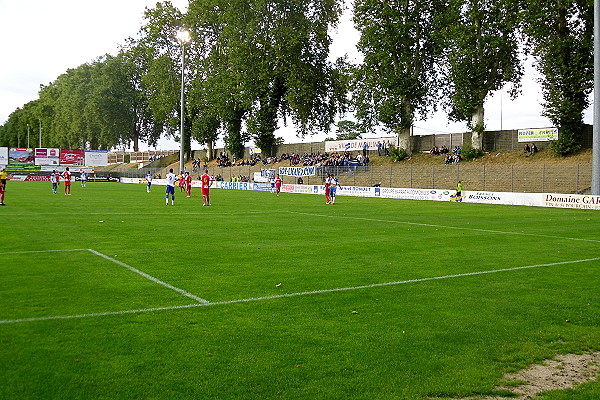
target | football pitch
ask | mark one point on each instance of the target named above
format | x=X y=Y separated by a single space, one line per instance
x=111 y=294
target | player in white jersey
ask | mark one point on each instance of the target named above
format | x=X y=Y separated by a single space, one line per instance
x=333 y=185
x=83 y=177
x=54 y=181
x=171 y=178
x=149 y=181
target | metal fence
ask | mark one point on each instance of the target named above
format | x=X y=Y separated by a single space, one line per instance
x=531 y=178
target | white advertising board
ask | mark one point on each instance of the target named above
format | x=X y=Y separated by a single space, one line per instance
x=3 y=155
x=297 y=171
x=45 y=156
x=96 y=158
x=357 y=145
x=582 y=202
x=537 y=135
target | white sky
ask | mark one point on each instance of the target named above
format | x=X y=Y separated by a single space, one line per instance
x=41 y=39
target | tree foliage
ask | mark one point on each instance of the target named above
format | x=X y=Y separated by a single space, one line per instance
x=563 y=49
x=482 y=55
x=252 y=64
x=398 y=76
x=263 y=61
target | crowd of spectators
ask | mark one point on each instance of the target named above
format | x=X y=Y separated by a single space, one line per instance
x=436 y=151
x=450 y=157
x=239 y=178
x=197 y=164
x=155 y=157
x=345 y=158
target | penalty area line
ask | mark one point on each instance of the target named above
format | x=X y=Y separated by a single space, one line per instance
x=149 y=277
x=306 y=293
x=129 y=267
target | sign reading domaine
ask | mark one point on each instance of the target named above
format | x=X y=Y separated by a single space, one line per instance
x=297 y=171
x=537 y=135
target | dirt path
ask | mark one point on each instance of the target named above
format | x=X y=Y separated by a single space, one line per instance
x=564 y=372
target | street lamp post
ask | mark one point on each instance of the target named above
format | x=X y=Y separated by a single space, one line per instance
x=184 y=37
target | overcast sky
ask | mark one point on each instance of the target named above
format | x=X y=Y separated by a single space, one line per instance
x=41 y=39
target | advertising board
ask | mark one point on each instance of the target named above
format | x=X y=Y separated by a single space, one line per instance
x=72 y=157
x=47 y=156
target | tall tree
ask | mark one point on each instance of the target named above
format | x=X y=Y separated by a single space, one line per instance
x=482 y=55
x=159 y=56
x=266 y=60
x=563 y=49
x=398 y=78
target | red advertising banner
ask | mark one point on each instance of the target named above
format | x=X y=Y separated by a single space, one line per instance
x=72 y=157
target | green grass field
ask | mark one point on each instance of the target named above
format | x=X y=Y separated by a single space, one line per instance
x=110 y=294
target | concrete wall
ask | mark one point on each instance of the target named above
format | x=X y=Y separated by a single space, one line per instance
x=492 y=141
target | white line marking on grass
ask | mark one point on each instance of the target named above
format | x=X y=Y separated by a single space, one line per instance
x=231 y=214
x=101 y=314
x=444 y=226
x=42 y=251
x=132 y=269
x=149 y=277
x=286 y=295
x=374 y=285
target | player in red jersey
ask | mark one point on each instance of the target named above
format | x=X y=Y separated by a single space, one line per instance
x=67 y=176
x=206 y=182
x=327 y=184
x=278 y=183
x=2 y=192
x=181 y=182
x=188 y=184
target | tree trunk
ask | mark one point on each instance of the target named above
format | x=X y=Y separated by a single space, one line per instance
x=404 y=140
x=136 y=141
x=209 y=150
x=477 y=127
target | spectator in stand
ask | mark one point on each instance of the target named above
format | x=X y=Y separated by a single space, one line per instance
x=379 y=147
x=534 y=149
x=526 y=149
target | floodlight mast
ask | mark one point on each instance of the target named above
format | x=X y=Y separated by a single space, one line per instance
x=183 y=36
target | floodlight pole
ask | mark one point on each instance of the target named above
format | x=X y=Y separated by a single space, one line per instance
x=596 y=134
x=183 y=37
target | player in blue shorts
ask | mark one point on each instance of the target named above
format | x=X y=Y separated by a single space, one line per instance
x=171 y=178
x=333 y=185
